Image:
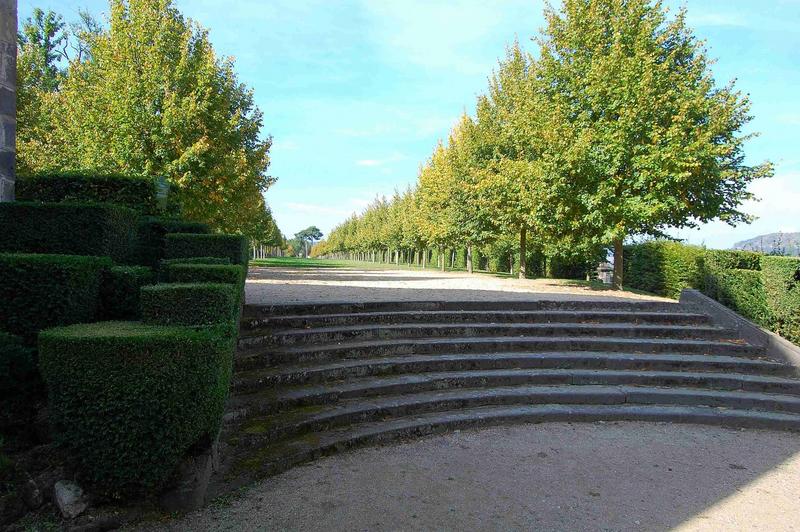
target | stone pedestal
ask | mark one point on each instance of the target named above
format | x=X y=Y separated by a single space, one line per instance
x=8 y=97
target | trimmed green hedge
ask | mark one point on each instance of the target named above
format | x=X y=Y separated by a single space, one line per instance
x=234 y=247
x=151 y=236
x=17 y=367
x=782 y=287
x=743 y=291
x=41 y=291
x=129 y=400
x=137 y=193
x=663 y=267
x=120 y=291
x=68 y=228
x=189 y=304
x=206 y=273
x=732 y=259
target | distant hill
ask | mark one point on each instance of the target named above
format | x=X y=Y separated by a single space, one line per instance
x=784 y=243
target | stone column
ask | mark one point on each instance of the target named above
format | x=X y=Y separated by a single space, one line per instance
x=8 y=97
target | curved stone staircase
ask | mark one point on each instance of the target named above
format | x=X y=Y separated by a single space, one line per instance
x=311 y=380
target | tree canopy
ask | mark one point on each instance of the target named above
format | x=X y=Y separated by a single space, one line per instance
x=146 y=95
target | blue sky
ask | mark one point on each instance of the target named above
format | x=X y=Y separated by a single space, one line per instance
x=357 y=92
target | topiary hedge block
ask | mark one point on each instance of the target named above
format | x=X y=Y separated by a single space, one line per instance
x=163 y=271
x=663 y=267
x=137 y=193
x=128 y=400
x=120 y=291
x=41 y=291
x=68 y=228
x=189 y=304
x=206 y=273
x=234 y=247
x=782 y=287
x=151 y=236
x=732 y=259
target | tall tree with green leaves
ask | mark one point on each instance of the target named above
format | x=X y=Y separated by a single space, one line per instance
x=150 y=97
x=653 y=141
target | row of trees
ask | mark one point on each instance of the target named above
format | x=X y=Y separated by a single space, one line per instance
x=145 y=94
x=614 y=128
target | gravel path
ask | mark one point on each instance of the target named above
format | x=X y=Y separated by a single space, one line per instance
x=559 y=476
x=284 y=285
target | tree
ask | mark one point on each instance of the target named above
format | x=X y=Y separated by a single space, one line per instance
x=308 y=236
x=148 y=96
x=653 y=142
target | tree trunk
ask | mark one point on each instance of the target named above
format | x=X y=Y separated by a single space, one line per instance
x=424 y=257
x=469 y=258
x=522 y=242
x=618 y=263
x=441 y=258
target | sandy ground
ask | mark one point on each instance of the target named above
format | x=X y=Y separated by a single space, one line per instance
x=282 y=285
x=560 y=476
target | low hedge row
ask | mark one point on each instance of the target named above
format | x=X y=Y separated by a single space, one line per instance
x=663 y=267
x=185 y=245
x=765 y=289
x=120 y=291
x=743 y=291
x=137 y=193
x=189 y=304
x=68 y=228
x=782 y=287
x=41 y=291
x=152 y=232
x=129 y=400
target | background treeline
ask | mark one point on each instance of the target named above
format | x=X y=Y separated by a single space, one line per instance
x=144 y=94
x=763 y=288
x=614 y=127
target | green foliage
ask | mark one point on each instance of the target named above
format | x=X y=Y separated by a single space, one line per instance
x=152 y=236
x=733 y=259
x=782 y=286
x=189 y=304
x=206 y=273
x=743 y=291
x=68 y=228
x=134 y=192
x=120 y=291
x=718 y=262
x=150 y=97
x=664 y=267
x=17 y=367
x=234 y=247
x=129 y=400
x=42 y=291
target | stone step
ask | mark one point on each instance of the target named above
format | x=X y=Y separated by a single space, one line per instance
x=334 y=335
x=269 y=356
x=245 y=465
x=258 y=326
x=257 y=431
x=305 y=374
x=272 y=400
x=597 y=303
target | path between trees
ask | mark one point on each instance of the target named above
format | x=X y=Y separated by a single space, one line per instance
x=327 y=284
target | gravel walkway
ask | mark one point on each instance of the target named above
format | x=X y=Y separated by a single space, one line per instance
x=598 y=476
x=284 y=285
